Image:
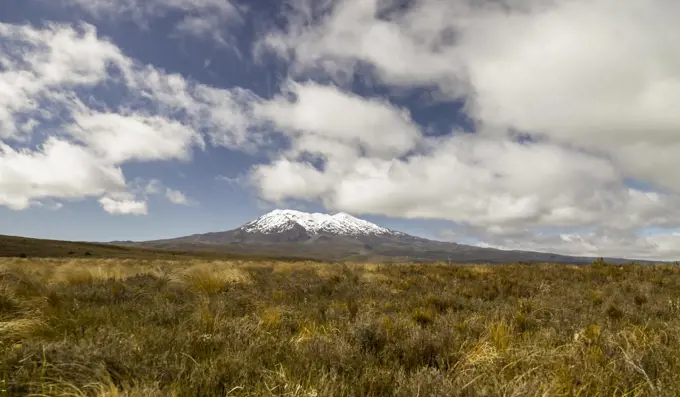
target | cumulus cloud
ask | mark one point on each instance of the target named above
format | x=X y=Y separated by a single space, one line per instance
x=123 y=206
x=58 y=169
x=177 y=197
x=120 y=138
x=338 y=36
x=154 y=186
x=323 y=115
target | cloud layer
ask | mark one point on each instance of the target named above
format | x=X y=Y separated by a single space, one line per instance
x=593 y=82
x=590 y=85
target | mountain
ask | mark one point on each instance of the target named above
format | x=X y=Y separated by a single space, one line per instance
x=281 y=227
x=342 y=237
x=279 y=221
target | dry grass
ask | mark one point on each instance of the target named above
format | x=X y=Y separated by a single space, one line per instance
x=103 y=327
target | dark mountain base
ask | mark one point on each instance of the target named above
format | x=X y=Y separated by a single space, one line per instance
x=357 y=251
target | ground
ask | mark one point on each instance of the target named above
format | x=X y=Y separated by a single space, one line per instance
x=200 y=327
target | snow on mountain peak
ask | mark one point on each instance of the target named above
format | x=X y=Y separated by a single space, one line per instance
x=314 y=223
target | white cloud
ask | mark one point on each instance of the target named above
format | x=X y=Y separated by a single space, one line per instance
x=52 y=206
x=597 y=74
x=476 y=181
x=199 y=18
x=143 y=189
x=177 y=197
x=42 y=65
x=228 y=117
x=335 y=37
x=238 y=180
x=59 y=169
x=121 y=138
x=285 y=179
x=599 y=242
x=123 y=206
x=154 y=186
x=327 y=115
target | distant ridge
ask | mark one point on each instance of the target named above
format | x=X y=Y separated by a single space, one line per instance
x=343 y=237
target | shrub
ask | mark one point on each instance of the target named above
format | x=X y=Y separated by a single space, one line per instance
x=423 y=317
x=640 y=299
x=614 y=312
x=599 y=262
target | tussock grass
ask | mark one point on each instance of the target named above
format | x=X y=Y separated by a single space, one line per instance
x=210 y=278
x=125 y=327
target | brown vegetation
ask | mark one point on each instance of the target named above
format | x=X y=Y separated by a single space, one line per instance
x=25 y=247
x=97 y=327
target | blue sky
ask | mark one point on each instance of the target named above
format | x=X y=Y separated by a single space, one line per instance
x=131 y=119
x=220 y=205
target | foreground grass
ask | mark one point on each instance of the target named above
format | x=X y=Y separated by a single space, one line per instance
x=198 y=328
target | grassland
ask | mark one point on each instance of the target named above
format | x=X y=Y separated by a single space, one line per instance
x=131 y=327
x=24 y=247
x=14 y=246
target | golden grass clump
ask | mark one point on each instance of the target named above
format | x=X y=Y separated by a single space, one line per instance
x=210 y=278
x=20 y=329
x=270 y=318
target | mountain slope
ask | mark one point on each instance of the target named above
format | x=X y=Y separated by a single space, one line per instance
x=343 y=237
x=16 y=246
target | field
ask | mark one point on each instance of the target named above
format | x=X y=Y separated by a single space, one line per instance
x=199 y=327
x=12 y=246
x=24 y=247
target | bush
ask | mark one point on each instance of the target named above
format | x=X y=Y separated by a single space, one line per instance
x=423 y=317
x=599 y=262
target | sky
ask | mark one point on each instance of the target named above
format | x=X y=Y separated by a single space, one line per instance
x=546 y=125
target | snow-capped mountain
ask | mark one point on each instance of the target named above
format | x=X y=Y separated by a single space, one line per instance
x=341 y=223
x=291 y=226
x=289 y=233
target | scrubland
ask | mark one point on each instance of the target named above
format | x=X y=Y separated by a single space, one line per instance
x=126 y=327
